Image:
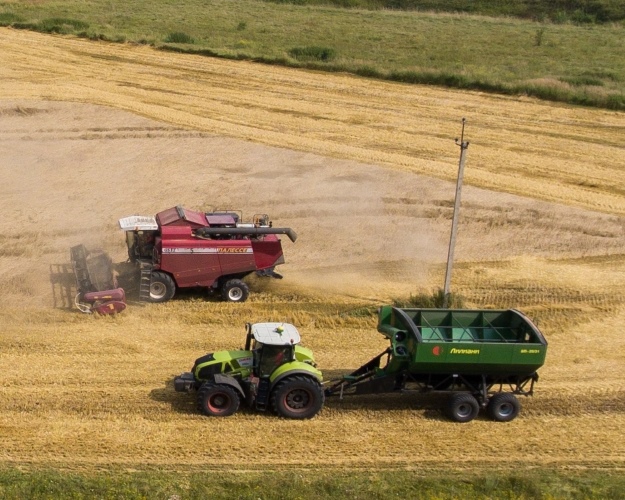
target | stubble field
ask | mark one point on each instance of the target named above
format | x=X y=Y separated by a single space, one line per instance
x=91 y=132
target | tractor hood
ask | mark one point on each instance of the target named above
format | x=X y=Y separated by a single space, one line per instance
x=212 y=363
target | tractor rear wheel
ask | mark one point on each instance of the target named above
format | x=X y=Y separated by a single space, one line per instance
x=463 y=407
x=503 y=407
x=217 y=400
x=297 y=397
x=162 y=287
x=235 y=291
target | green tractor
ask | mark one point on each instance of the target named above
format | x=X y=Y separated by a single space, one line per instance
x=272 y=371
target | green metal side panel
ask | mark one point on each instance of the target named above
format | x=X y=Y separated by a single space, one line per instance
x=463 y=341
x=474 y=358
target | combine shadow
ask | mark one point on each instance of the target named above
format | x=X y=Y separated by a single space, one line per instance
x=432 y=405
x=128 y=279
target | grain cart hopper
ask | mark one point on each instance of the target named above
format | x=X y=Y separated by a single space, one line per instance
x=482 y=358
x=180 y=248
x=271 y=371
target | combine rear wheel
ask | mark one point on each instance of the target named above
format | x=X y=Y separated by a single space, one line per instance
x=235 y=291
x=503 y=407
x=217 y=400
x=162 y=287
x=463 y=407
x=297 y=397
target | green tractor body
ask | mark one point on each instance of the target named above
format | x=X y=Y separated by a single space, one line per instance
x=271 y=372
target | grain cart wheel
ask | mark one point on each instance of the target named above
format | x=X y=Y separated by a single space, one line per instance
x=503 y=407
x=297 y=397
x=162 y=287
x=235 y=291
x=217 y=400
x=463 y=407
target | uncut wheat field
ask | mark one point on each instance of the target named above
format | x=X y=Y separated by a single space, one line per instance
x=364 y=172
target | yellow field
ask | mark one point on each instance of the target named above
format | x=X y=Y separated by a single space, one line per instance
x=91 y=132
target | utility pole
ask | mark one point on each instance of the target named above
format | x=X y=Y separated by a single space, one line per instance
x=454 y=222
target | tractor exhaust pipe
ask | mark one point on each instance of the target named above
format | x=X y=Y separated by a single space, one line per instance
x=251 y=231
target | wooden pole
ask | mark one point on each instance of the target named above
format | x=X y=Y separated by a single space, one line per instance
x=454 y=221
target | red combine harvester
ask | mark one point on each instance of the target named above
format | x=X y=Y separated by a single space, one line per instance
x=180 y=248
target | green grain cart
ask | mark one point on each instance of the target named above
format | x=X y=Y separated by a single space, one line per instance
x=483 y=358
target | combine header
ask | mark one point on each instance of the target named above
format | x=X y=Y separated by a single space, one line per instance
x=96 y=283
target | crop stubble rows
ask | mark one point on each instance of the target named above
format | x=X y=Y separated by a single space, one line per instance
x=83 y=392
x=400 y=126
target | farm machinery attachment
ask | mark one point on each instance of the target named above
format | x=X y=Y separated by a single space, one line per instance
x=483 y=359
x=96 y=283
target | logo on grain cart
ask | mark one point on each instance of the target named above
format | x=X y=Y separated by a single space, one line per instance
x=464 y=351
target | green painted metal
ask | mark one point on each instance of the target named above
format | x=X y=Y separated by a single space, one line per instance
x=238 y=362
x=469 y=342
x=295 y=366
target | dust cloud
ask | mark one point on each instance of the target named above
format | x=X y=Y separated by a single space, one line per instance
x=70 y=171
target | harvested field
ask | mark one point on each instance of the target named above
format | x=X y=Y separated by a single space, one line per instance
x=91 y=132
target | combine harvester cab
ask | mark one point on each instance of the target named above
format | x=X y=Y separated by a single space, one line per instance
x=180 y=248
x=483 y=358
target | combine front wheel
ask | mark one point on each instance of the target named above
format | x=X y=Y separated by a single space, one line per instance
x=162 y=287
x=297 y=397
x=217 y=400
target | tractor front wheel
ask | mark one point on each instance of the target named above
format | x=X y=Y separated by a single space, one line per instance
x=503 y=407
x=297 y=397
x=235 y=291
x=463 y=407
x=217 y=400
x=162 y=287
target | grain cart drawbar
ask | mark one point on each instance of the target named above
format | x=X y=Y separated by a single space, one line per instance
x=271 y=372
x=484 y=359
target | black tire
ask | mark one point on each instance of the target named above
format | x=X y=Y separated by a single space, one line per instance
x=297 y=397
x=463 y=407
x=503 y=407
x=217 y=400
x=235 y=291
x=162 y=287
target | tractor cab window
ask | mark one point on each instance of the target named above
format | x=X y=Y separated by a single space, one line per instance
x=271 y=357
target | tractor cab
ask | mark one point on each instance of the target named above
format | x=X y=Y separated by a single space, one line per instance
x=272 y=345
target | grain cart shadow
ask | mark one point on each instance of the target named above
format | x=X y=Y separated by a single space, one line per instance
x=429 y=404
